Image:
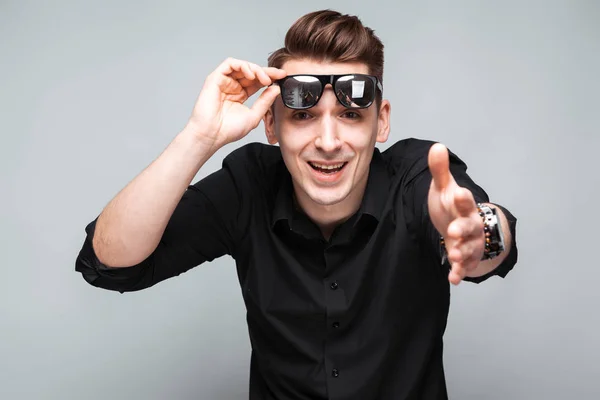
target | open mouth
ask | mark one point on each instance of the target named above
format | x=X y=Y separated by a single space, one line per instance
x=327 y=169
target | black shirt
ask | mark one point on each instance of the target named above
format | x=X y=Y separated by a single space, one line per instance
x=360 y=316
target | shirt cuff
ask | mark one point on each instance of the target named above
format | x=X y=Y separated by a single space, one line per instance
x=103 y=276
x=511 y=259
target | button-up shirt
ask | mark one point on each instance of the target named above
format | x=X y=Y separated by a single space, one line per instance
x=359 y=316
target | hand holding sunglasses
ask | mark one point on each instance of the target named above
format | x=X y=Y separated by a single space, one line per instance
x=300 y=92
x=219 y=116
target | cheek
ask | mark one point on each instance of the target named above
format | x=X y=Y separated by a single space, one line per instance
x=367 y=141
x=362 y=140
x=290 y=144
x=291 y=147
x=294 y=139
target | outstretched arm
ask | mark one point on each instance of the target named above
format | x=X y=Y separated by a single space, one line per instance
x=453 y=212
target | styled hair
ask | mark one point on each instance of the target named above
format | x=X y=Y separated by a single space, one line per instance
x=329 y=36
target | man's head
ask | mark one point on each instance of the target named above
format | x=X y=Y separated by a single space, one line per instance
x=329 y=36
x=328 y=145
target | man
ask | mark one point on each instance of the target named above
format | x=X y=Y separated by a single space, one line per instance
x=344 y=253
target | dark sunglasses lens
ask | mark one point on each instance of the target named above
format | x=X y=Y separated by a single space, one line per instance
x=301 y=91
x=355 y=91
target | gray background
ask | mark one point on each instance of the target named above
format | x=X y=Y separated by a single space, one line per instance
x=91 y=94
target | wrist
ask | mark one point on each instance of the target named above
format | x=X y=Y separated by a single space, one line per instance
x=199 y=138
x=492 y=234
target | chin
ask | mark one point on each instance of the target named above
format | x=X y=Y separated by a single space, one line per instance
x=327 y=196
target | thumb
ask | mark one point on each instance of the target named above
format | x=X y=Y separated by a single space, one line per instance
x=439 y=165
x=262 y=104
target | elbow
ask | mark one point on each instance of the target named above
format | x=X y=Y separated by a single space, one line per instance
x=105 y=276
x=114 y=254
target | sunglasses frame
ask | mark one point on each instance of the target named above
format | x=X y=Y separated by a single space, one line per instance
x=330 y=79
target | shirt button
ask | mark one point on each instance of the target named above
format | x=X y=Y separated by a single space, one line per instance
x=335 y=373
x=334 y=285
x=336 y=325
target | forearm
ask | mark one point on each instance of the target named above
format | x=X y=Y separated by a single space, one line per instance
x=130 y=227
x=488 y=266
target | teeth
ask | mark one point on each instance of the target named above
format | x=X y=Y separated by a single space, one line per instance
x=340 y=165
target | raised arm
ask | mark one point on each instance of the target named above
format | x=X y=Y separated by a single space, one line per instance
x=130 y=227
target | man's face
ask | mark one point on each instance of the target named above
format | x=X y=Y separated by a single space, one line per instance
x=327 y=148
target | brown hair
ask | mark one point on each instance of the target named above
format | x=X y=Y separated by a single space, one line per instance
x=329 y=36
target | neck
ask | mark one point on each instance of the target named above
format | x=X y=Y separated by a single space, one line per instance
x=328 y=217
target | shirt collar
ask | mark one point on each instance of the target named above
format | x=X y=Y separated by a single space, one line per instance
x=373 y=200
x=377 y=188
x=284 y=201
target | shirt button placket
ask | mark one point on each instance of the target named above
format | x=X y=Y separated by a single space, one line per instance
x=335 y=302
x=334 y=287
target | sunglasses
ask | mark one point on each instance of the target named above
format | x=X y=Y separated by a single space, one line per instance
x=300 y=92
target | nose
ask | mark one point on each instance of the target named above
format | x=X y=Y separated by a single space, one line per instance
x=327 y=138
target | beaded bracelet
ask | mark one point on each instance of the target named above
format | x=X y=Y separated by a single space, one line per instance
x=494 y=241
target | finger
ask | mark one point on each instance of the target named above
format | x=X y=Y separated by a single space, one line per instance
x=262 y=104
x=465 y=228
x=257 y=77
x=457 y=274
x=227 y=74
x=251 y=87
x=228 y=85
x=244 y=74
x=464 y=202
x=261 y=78
x=275 y=73
x=229 y=65
x=458 y=255
x=248 y=73
x=233 y=67
x=439 y=165
x=261 y=75
x=466 y=254
x=259 y=82
x=238 y=75
x=245 y=82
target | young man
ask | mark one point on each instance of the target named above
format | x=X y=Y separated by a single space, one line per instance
x=338 y=246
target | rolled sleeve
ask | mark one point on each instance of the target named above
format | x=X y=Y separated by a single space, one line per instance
x=203 y=227
x=111 y=278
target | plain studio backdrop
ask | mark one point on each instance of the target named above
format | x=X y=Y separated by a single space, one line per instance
x=91 y=93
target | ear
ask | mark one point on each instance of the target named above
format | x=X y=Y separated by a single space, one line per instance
x=269 y=122
x=383 y=121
